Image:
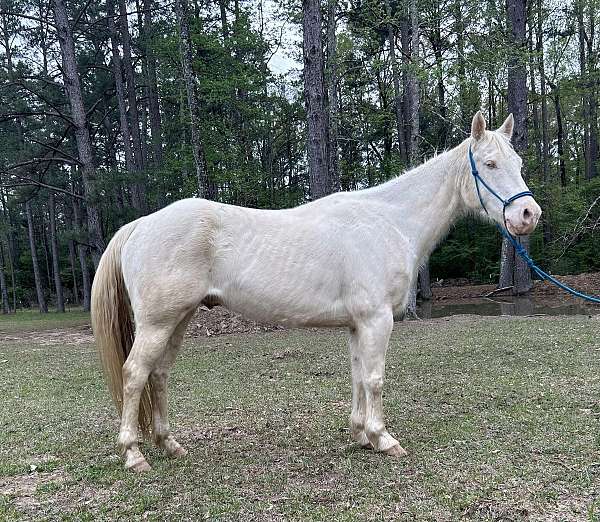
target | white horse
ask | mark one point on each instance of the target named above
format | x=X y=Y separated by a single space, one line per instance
x=348 y=259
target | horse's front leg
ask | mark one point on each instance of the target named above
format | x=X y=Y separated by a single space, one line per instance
x=372 y=336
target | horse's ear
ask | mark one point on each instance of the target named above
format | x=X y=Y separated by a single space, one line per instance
x=507 y=127
x=478 y=126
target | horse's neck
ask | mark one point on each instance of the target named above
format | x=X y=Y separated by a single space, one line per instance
x=426 y=201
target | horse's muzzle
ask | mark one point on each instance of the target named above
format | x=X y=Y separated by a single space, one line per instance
x=523 y=216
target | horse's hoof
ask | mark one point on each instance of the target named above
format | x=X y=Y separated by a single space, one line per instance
x=141 y=466
x=178 y=452
x=173 y=448
x=396 y=451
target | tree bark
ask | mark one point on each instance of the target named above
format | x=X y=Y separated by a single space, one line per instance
x=60 y=303
x=413 y=143
x=131 y=163
x=82 y=251
x=82 y=135
x=332 y=90
x=513 y=270
x=185 y=47
x=223 y=15
x=41 y=300
x=402 y=149
x=590 y=140
x=314 y=96
x=76 y=301
x=435 y=38
x=535 y=112
x=414 y=98
x=405 y=46
x=544 y=101
x=138 y=185
x=591 y=83
x=560 y=140
x=152 y=87
x=463 y=100
x=3 y=287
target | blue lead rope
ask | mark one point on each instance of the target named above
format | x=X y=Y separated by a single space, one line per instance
x=513 y=241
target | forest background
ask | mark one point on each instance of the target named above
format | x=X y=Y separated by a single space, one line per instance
x=112 y=110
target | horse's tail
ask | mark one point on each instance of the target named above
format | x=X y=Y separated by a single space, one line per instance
x=113 y=324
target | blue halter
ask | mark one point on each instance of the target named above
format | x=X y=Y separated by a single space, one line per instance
x=514 y=241
x=505 y=202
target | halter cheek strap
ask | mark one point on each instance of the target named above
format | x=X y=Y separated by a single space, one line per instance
x=505 y=202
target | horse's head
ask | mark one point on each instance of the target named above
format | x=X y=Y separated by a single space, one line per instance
x=496 y=186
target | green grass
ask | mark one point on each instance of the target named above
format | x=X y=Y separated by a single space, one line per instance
x=33 y=320
x=501 y=418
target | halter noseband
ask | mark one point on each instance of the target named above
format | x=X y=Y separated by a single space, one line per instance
x=505 y=202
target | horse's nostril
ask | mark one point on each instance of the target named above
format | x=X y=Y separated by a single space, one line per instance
x=527 y=214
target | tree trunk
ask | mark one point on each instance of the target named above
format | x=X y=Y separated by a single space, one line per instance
x=152 y=87
x=560 y=140
x=224 y=25
x=396 y=79
x=130 y=161
x=82 y=253
x=185 y=47
x=85 y=276
x=535 y=112
x=138 y=187
x=332 y=87
x=585 y=108
x=425 y=282
x=60 y=303
x=49 y=272
x=82 y=135
x=513 y=270
x=413 y=144
x=592 y=98
x=414 y=98
x=463 y=101
x=76 y=301
x=405 y=45
x=34 y=260
x=544 y=101
x=314 y=96
x=119 y=86
x=3 y=287
x=435 y=37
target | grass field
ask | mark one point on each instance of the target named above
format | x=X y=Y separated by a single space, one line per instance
x=501 y=418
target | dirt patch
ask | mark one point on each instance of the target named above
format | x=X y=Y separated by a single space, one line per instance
x=220 y=321
x=459 y=289
x=22 y=489
x=73 y=335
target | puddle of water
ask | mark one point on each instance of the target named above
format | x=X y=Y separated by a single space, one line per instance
x=508 y=306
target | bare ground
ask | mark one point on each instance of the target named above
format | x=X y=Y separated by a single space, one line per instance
x=458 y=289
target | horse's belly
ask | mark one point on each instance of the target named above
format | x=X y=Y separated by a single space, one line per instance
x=280 y=297
x=286 y=309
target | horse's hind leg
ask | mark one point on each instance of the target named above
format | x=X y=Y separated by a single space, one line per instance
x=159 y=379
x=148 y=348
x=357 y=417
